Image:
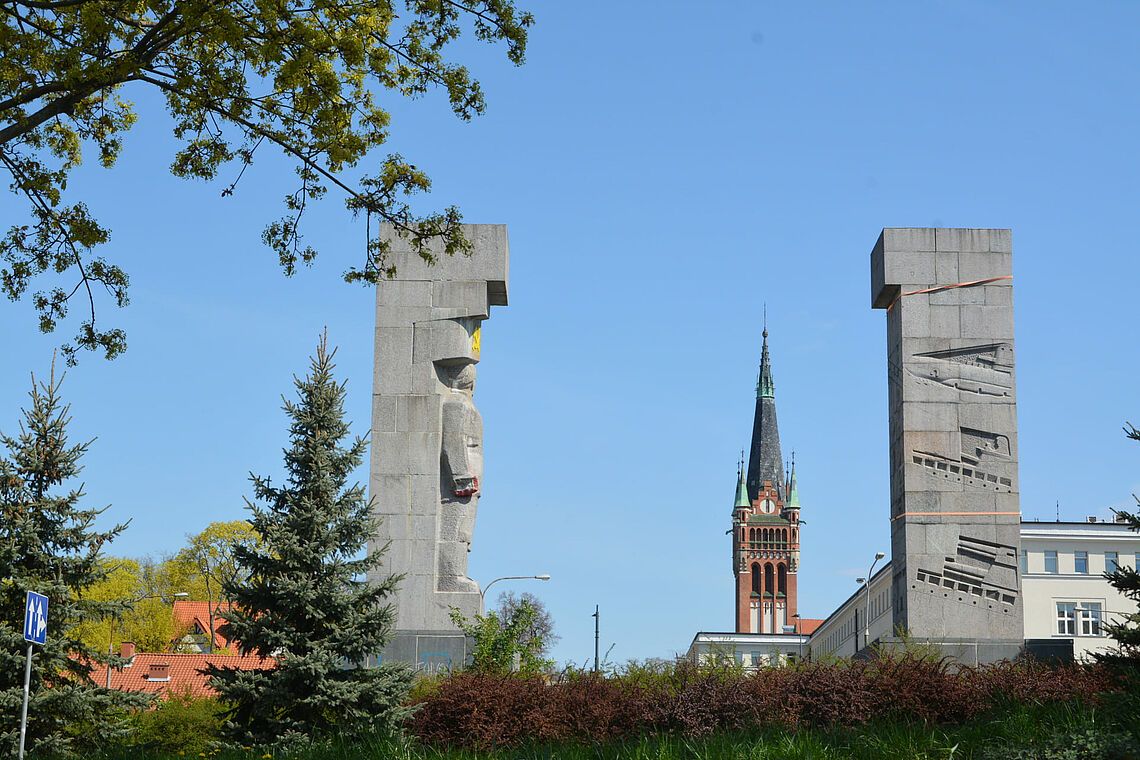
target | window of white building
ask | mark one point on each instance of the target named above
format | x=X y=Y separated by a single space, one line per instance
x=1090 y=618
x=1024 y=561
x=1111 y=562
x=1067 y=618
x=1050 y=561
x=1081 y=562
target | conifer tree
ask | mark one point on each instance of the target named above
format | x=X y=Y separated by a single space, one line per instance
x=307 y=602
x=1126 y=580
x=49 y=544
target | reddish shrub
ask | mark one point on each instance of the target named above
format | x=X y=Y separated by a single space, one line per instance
x=485 y=711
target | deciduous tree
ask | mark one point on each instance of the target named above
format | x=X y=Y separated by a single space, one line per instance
x=540 y=635
x=148 y=622
x=508 y=639
x=307 y=77
x=209 y=564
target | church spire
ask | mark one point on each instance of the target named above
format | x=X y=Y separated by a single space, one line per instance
x=793 y=491
x=741 y=489
x=765 y=462
x=765 y=388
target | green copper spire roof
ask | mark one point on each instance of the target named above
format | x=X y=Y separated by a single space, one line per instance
x=793 y=491
x=765 y=388
x=741 y=489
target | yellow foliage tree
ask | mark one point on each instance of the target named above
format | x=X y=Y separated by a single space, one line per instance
x=207 y=564
x=149 y=622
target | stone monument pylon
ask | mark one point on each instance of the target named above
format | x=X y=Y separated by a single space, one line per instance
x=427 y=435
x=955 y=514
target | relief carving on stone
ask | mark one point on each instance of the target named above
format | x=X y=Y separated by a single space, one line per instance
x=461 y=461
x=984 y=461
x=983 y=573
x=985 y=370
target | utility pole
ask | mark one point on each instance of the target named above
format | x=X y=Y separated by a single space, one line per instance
x=597 y=637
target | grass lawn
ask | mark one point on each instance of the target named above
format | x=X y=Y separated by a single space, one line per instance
x=1050 y=732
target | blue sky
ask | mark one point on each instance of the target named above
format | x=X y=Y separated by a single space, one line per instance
x=665 y=170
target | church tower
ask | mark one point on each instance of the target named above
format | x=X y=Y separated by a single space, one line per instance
x=765 y=522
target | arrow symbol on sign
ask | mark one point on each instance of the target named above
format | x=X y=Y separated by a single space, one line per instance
x=41 y=623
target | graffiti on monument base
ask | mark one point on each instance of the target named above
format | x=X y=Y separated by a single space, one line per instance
x=434 y=662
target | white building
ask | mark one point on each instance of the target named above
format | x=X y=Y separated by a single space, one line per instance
x=751 y=650
x=1066 y=597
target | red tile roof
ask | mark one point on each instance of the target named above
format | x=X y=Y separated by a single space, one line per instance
x=807 y=626
x=180 y=671
x=187 y=614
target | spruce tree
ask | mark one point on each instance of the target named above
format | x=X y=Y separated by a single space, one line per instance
x=49 y=544
x=1126 y=580
x=307 y=602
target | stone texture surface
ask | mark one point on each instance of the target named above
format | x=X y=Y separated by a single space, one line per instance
x=428 y=652
x=955 y=522
x=426 y=459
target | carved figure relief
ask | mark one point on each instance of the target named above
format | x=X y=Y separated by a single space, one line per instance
x=461 y=461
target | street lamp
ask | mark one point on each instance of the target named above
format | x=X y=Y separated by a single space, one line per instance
x=867 y=602
x=799 y=641
x=483 y=592
x=111 y=632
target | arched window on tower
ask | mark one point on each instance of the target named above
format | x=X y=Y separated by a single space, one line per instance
x=751 y=534
x=783 y=579
x=768 y=584
x=755 y=578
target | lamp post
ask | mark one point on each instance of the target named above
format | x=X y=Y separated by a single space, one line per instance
x=111 y=632
x=799 y=641
x=867 y=602
x=483 y=592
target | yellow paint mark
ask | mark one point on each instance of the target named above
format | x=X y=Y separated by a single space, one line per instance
x=476 y=340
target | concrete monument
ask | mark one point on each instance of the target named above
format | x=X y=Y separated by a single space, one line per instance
x=955 y=515
x=427 y=435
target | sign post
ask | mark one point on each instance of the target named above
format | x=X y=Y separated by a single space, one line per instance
x=35 y=632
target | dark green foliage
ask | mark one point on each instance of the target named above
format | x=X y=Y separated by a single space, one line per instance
x=307 y=602
x=180 y=725
x=1126 y=629
x=502 y=637
x=1090 y=743
x=49 y=544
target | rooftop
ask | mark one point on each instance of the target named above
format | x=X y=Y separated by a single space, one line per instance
x=166 y=673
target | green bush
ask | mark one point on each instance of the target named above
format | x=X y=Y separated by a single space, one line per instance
x=182 y=724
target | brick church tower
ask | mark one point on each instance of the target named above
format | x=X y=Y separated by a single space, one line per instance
x=765 y=522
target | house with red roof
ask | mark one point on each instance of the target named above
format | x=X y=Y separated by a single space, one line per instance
x=168 y=673
x=195 y=619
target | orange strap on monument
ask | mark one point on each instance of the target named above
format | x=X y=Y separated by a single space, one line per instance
x=940 y=288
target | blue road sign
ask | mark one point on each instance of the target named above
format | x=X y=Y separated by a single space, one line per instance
x=35 y=618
